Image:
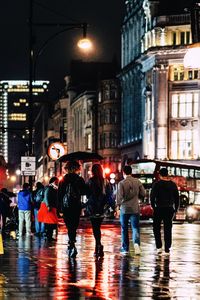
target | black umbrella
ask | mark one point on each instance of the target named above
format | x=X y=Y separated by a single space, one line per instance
x=80 y=155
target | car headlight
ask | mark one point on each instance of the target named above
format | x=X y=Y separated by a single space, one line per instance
x=191 y=211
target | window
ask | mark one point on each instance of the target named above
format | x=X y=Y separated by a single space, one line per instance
x=113 y=116
x=89 y=141
x=184 y=105
x=113 y=140
x=107 y=92
x=174 y=38
x=187 y=37
x=183 y=144
x=182 y=38
x=107 y=116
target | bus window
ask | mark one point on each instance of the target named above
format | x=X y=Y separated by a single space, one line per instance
x=197 y=198
x=191 y=173
x=178 y=171
x=197 y=173
x=172 y=171
x=143 y=168
x=185 y=172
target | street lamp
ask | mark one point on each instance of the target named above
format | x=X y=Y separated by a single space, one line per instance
x=192 y=56
x=84 y=44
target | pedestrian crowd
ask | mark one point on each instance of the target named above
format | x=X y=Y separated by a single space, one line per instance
x=39 y=210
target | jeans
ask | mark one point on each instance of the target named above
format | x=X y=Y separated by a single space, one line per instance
x=164 y=215
x=24 y=215
x=39 y=227
x=134 y=220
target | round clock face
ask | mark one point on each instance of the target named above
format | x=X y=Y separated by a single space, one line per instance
x=56 y=150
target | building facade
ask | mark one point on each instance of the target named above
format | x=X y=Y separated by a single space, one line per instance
x=14 y=110
x=158 y=93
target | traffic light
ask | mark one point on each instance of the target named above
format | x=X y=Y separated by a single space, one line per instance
x=110 y=176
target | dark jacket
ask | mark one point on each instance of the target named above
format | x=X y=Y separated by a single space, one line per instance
x=50 y=196
x=99 y=200
x=24 y=200
x=164 y=193
x=77 y=181
x=37 y=197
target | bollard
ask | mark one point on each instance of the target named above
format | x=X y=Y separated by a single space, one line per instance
x=1 y=244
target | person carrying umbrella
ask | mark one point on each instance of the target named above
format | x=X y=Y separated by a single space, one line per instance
x=70 y=190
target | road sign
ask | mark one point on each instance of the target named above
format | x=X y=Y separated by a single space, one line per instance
x=28 y=165
x=56 y=150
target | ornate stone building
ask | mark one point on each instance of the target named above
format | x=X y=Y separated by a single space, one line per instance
x=160 y=98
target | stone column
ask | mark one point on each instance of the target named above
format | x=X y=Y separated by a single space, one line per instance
x=161 y=111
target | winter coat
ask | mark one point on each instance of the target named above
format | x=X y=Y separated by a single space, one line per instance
x=24 y=200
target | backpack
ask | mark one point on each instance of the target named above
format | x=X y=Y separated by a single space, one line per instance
x=39 y=196
x=72 y=196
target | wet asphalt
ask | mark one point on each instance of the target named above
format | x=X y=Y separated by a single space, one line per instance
x=31 y=268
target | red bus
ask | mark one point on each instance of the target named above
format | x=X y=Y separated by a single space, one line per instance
x=185 y=175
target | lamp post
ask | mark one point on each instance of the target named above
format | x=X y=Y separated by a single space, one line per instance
x=85 y=43
x=192 y=56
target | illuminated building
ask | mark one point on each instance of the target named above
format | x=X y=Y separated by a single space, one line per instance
x=160 y=98
x=14 y=106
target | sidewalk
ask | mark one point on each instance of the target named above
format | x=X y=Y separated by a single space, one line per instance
x=33 y=269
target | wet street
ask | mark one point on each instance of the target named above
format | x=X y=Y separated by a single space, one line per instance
x=33 y=269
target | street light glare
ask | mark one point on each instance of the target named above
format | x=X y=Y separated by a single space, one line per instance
x=192 y=57
x=84 y=44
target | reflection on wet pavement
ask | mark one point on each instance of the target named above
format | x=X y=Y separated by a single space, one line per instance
x=31 y=268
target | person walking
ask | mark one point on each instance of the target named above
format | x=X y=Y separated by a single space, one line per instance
x=129 y=191
x=69 y=196
x=24 y=209
x=37 y=198
x=99 y=193
x=47 y=213
x=164 y=199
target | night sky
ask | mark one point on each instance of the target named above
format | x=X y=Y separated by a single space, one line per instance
x=104 y=18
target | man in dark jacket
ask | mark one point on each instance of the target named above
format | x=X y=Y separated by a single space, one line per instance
x=24 y=208
x=69 y=197
x=165 y=203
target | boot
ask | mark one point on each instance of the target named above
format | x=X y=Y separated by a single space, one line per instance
x=100 y=252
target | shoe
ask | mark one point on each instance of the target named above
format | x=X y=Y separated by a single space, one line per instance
x=123 y=251
x=159 y=250
x=137 y=249
x=99 y=251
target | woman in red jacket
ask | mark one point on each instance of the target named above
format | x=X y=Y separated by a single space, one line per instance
x=48 y=210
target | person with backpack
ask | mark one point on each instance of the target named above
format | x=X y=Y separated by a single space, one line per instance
x=24 y=200
x=70 y=190
x=129 y=191
x=47 y=213
x=99 y=195
x=37 y=198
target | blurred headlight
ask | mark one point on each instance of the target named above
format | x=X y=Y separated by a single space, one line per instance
x=191 y=210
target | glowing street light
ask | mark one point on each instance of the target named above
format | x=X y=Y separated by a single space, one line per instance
x=85 y=44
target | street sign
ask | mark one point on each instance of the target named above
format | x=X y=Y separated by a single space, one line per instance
x=56 y=150
x=28 y=165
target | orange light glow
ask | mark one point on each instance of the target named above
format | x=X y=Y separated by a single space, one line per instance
x=84 y=44
x=107 y=170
